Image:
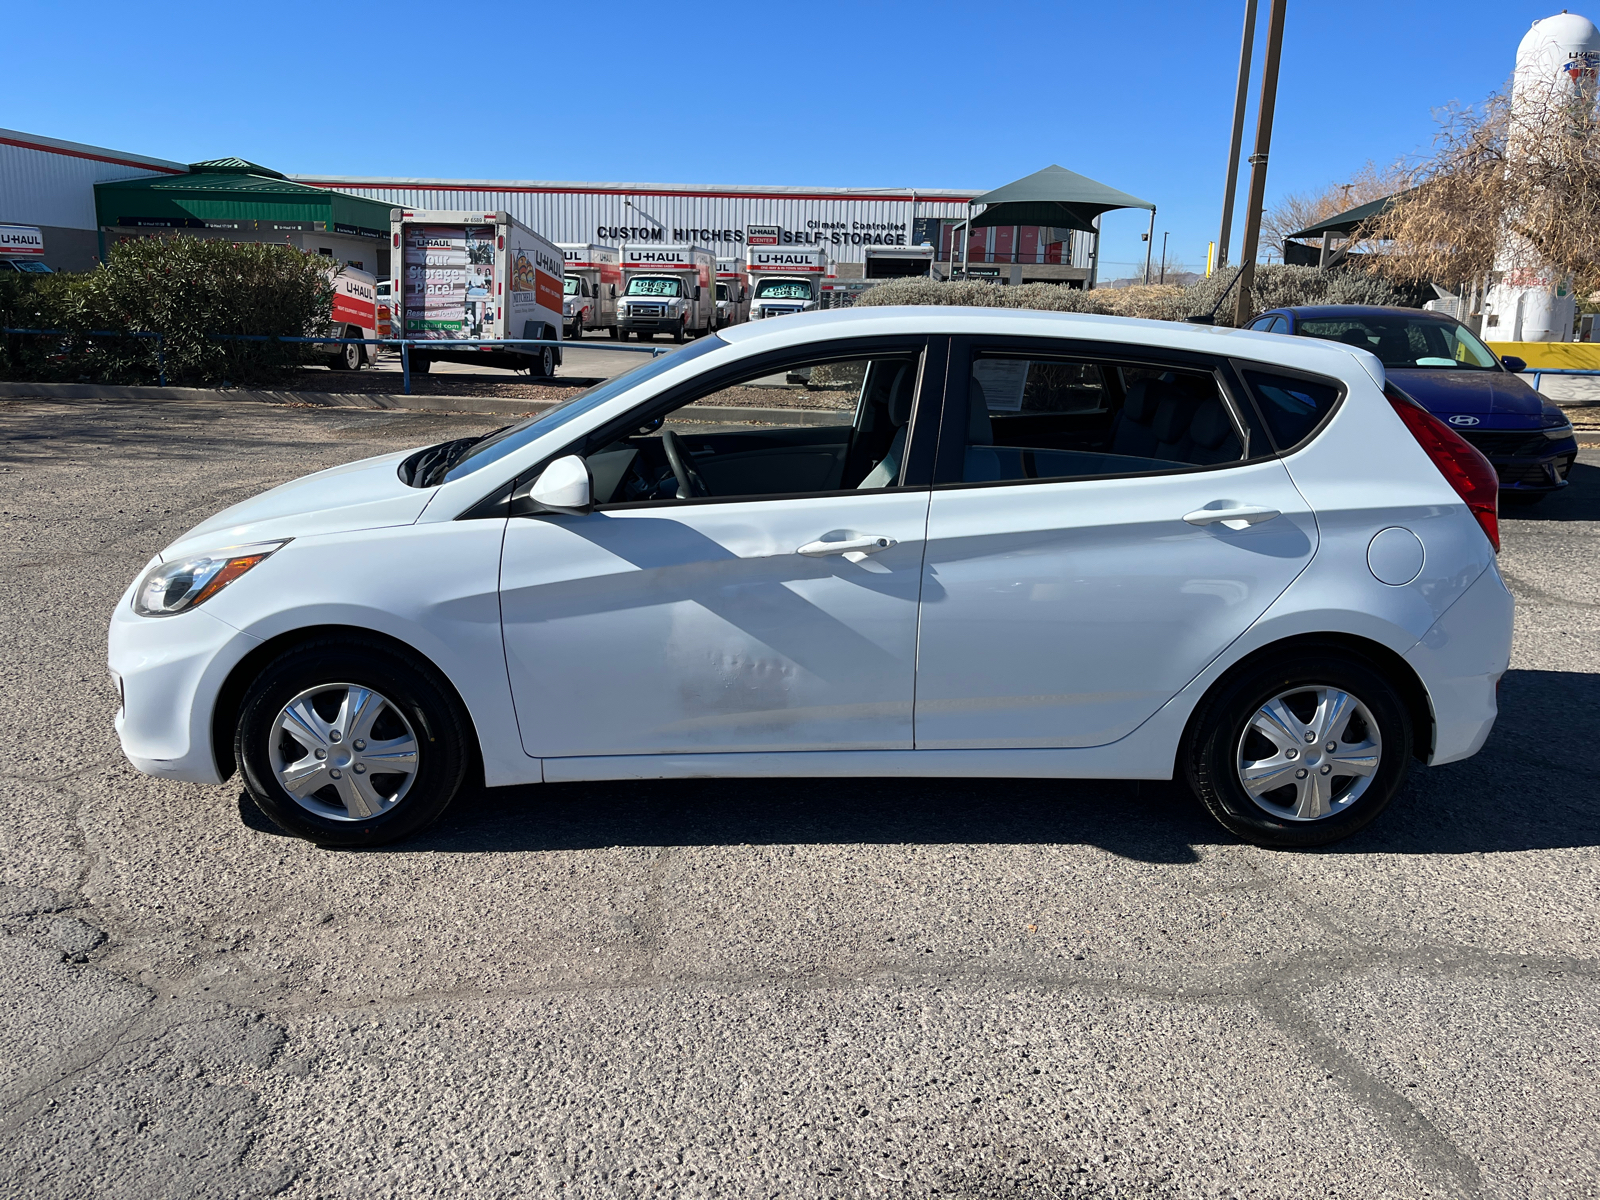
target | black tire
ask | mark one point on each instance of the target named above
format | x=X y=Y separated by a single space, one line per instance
x=677 y=334
x=1522 y=499
x=544 y=363
x=414 y=690
x=1209 y=759
x=619 y=333
x=421 y=364
x=347 y=357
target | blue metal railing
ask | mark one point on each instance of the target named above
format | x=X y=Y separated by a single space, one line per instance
x=1539 y=373
x=404 y=344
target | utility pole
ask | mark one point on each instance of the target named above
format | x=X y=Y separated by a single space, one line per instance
x=1240 y=98
x=1165 y=234
x=1258 y=163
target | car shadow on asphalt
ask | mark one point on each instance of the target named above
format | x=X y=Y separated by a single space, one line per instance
x=1578 y=501
x=1515 y=795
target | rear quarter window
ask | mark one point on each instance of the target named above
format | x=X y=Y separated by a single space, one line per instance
x=1293 y=406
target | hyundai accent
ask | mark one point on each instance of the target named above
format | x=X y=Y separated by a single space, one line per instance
x=992 y=544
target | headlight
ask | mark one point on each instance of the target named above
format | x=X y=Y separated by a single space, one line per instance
x=171 y=588
x=1559 y=433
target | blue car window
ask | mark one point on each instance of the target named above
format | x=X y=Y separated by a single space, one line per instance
x=1291 y=406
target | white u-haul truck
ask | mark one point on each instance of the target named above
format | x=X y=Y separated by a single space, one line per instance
x=733 y=292
x=475 y=275
x=589 y=293
x=785 y=280
x=667 y=289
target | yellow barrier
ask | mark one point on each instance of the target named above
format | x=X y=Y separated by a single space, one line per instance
x=1573 y=356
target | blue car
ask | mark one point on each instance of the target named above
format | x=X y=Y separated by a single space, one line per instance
x=1438 y=362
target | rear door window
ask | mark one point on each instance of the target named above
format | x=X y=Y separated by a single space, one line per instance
x=1038 y=416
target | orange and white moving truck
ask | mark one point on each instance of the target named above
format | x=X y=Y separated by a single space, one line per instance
x=468 y=276
x=667 y=289
x=355 y=315
x=594 y=277
x=733 y=292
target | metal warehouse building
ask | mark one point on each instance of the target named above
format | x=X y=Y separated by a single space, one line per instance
x=48 y=192
x=842 y=221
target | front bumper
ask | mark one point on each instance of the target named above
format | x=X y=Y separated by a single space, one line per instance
x=1460 y=661
x=171 y=670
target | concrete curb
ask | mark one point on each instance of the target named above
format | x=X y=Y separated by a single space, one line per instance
x=488 y=405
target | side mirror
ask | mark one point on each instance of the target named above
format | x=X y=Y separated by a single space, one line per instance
x=1514 y=364
x=613 y=288
x=697 y=293
x=565 y=486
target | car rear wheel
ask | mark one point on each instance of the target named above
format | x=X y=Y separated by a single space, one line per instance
x=351 y=743
x=1301 y=751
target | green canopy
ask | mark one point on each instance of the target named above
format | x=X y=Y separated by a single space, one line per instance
x=1053 y=196
x=231 y=193
x=1346 y=223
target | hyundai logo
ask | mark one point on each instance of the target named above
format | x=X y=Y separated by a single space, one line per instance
x=1463 y=420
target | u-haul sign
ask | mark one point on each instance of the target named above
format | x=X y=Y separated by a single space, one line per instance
x=21 y=241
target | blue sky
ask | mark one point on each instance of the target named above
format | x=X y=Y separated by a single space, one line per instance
x=1137 y=95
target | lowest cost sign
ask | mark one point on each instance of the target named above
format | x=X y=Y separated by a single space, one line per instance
x=21 y=241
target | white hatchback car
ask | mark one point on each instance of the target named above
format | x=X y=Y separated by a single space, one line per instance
x=996 y=544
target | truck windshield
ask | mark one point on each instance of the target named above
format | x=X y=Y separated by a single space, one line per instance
x=513 y=437
x=722 y=291
x=783 y=289
x=569 y=285
x=644 y=285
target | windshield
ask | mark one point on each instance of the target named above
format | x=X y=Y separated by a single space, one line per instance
x=643 y=285
x=569 y=285
x=1405 y=341
x=783 y=289
x=722 y=291
x=513 y=437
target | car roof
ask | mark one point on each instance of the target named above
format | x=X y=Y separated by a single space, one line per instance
x=1356 y=310
x=1309 y=354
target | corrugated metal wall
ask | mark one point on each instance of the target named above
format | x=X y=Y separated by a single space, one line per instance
x=841 y=225
x=55 y=185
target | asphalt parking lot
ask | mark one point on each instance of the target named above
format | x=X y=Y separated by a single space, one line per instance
x=783 y=989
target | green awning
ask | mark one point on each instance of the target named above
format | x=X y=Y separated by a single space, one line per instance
x=1053 y=196
x=227 y=193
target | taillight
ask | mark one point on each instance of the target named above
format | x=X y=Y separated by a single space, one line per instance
x=1459 y=461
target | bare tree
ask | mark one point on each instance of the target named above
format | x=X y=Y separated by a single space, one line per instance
x=1512 y=191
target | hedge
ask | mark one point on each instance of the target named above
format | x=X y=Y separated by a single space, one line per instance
x=1275 y=287
x=184 y=288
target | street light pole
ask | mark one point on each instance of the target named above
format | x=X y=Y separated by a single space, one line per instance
x=1165 y=234
x=1258 y=163
x=1240 y=99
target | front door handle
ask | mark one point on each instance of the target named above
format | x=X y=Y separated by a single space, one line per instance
x=855 y=549
x=1233 y=516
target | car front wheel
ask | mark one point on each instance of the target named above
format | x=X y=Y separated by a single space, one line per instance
x=1301 y=751
x=351 y=743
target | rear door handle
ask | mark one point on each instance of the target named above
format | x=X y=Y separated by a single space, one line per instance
x=855 y=549
x=1233 y=516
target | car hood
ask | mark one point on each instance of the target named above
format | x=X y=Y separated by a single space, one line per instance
x=1481 y=393
x=361 y=495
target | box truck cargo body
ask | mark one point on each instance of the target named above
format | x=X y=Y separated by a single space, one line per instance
x=472 y=275
x=593 y=279
x=785 y=280
x=667 y=289
x=733 y=292
x=898 y=262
